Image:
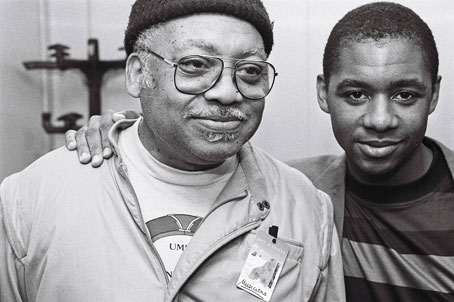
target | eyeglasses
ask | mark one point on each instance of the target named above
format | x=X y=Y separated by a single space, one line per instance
x=197 y=74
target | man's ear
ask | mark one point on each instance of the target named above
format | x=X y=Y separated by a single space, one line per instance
x=435 y=94
x=134 y=74
x=322 y=93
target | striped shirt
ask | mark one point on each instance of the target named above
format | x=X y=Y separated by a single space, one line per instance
x=398 y=241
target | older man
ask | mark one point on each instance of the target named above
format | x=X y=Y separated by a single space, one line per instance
x=393 y=190
x=187 y=209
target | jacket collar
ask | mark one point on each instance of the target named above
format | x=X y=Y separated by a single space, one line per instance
x=252 y=176
x=447 y=153
x=114 y=133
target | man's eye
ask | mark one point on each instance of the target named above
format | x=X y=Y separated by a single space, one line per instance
x=358 y=97
x=250 y=73
x=250 y=69
x=404 y=97
x=192 y=65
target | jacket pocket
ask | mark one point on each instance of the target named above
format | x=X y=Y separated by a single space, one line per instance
x=296 y=249
x=299 y=275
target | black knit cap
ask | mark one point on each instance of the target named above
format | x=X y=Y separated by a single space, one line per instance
x=146 y=13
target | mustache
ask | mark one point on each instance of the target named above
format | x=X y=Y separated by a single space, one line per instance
x=227 y=112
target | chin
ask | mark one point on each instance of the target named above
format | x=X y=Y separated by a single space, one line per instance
x=376 y=170
x=218 y=151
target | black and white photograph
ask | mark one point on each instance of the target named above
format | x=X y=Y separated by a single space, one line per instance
x=226 y=150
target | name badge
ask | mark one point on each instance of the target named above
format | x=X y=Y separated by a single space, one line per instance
x=263 y=265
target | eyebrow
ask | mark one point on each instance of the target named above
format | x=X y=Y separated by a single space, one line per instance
x=415 y=83
x=256 y=51
x=351 y=83
x=213 y=49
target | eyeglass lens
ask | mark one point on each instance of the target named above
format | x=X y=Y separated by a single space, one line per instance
x=197 y=74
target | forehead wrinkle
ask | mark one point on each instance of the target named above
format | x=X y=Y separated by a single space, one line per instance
x=255 y=51
x=202 y=44
x=379 y=53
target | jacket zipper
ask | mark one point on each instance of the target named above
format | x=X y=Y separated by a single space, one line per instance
x=153 y=249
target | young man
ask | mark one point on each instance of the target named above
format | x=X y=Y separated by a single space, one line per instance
x=393 y=190
x=187 y=209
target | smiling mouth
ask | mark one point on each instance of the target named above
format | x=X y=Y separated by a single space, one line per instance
x=219 y=124
x=378 y=149
x=218 y=119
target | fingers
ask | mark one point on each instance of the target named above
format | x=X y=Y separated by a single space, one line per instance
x=117 y=116
x=75 y=140
x=107 y=121
x=104 y=124
x=82 y=147
x=94 y=138
x=125 y=114
x=70 y=138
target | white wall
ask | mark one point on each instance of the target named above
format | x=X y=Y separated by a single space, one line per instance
x=293 y=125
x=22 y=139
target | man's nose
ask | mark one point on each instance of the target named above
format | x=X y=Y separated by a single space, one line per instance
x=380 y=115
x=225 y=90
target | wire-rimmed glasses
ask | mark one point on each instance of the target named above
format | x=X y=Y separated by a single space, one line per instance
x=195 y=74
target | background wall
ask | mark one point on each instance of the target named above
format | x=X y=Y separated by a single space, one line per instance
x=293 y=125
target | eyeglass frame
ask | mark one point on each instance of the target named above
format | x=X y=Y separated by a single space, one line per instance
x=175 y=65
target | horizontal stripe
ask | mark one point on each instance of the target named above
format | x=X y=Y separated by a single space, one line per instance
x=360 y=290
x=440 y=243
x=383 y=265
x=434 y=213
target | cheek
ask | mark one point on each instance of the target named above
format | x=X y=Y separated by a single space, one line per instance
x=255 y=114
x=343 y=124
x=414 y=121
x=161 y=113
x=415 y=128
x=257 y=111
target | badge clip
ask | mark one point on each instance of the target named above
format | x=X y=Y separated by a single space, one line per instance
x=273 y=230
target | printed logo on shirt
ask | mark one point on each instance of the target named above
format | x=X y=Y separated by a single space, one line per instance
x=173 y=224
x=171 y=235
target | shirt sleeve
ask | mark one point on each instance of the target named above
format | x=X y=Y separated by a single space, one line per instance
x=11 y=268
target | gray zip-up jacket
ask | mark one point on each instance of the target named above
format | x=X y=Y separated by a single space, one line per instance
x=69 y=232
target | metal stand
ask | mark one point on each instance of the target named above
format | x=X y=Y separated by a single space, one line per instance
x=94 y=70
